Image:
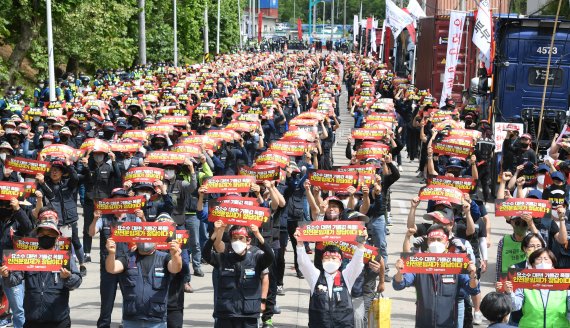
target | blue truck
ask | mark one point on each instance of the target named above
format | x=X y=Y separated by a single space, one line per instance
x=521 y=57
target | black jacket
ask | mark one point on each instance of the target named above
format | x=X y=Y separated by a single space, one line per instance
x=62 y=196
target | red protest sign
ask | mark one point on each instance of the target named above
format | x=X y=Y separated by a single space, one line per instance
x=463 y=184
x=229 y=183
x=166 y=157
x=261 y=172
x=435 y=263
x=451 y=149
x=140 y=232
x=243 y=126
x=299 y=135
x=368 y=169
x=159 y=129
x=27 y=166
x=349 y=247
x=95 y=144
x=333 y=180
x=60 y=151
x=465 y=133
x=551 y=279
x=242 y=215
x=141 y=135
x=144 y=174
x=9 y=190
x=207 y=142
x=273 y=158
x=174 y=120
x=518 y=206
x=35 y=260
x=32 y=244
x=190 y=149
x=369 y=134
x=182 y=237
x=443 y=193
x=125 y=147
x=372 y=150
x=290 y=147
x=120 y=205
x=238 y=200
x=331 y=231
x=225 y=135
x=379 y=117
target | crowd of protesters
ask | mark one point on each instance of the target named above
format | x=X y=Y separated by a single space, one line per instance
x=251 y=111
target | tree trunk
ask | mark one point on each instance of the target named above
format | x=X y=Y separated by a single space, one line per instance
x=27 y=34
x=72 y=65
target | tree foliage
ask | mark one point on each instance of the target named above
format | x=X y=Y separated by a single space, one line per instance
x=104 y=33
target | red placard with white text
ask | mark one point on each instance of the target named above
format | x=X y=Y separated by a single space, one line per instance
x=331 y=231
x=443 y=193
x=120 y=205
x=518 y=206
x=182 y=237
x=141 y=232
x=242 y=215
x=36 y=260
x=27 y=166
x=333 y=180
x=435 y=263
x=229 y=183
x=551 y=279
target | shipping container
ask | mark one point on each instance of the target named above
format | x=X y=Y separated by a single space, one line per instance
x=443 y=7
x=266 y=4
x=270 y=12
x=432 y=34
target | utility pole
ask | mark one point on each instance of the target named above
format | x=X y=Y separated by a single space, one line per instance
x=51 y=66
x=239 y=22
x=175 y=34
x=218 y=31
x=142 y=33
x=332 y=19
x=344 y=20
x=206 y=41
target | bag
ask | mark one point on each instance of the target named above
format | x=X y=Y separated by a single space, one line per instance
x=380 y=311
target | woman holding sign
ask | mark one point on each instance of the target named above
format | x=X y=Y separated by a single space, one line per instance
x=541 y=307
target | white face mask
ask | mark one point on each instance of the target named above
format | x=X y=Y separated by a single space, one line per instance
x=146 y=195
x=169 y=174
x=238 y=246
x=99 y=158
x=540 y=179
x=3 y=156
x=436 y=247
x=36 y=118
x=9 y=130
x=554 y=214
x=331 y=266
x=46 y=143
x=544 y=266
x=345 y=202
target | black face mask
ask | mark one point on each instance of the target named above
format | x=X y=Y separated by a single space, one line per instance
x=46 y=242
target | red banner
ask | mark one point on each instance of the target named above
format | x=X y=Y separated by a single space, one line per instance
x=242 y=215
x=144 y=174
x=299 y=29
x=61 y=151
x=372 y=150
x=443 y=193
x=192 y=150
x=259 y=25
x=465 y=133
x=9 y=190
x=140 y=232
x=290 y=147
x=348 y=248
x=435 y=263
x=182 y=237
x=242 y=126
x=95 y=144
x=299 y=135
x=27 y=166
x=333 y=180
x=32 y=244
x=551 y=279
x=463 y=184
x=36 y=260
x=518 y=206
x=159 y=129
x=229 y=183
x=120 y=205
x=368 y=134
x=198 y=140
x=175 y=120
x=166 y=157
x=331 y=231
x=261 y=172
x=225 y=135
x=272 y=158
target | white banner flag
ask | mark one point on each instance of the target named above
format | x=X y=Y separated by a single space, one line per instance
x=355 y=29
x=396 y=18
x=482 y=30
x=415 y=10
x=456 y=23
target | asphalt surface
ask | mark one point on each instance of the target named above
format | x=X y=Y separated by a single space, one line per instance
x=85 y=301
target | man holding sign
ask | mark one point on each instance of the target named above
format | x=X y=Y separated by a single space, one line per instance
x=46 y=296
x=437 y=293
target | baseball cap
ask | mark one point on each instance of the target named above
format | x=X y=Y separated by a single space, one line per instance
x=437 y=216
x=526 y=136
x=444 y=203
x=543 y=167
x=119 y=192
x=294 y=166
x=353 y=215
x=558 y=175
x=535 y=193
x=48 y=224
x=337 y=200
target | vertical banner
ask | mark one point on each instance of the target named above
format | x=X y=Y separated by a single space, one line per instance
x=299 y=29
x=396 y=18
x=483 y=31
x=456 y=23
x=259 y=25
x=355 y=29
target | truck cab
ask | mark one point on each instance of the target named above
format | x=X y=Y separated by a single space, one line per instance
x=522 y=50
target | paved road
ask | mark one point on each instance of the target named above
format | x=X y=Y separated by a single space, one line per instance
x=198 y=313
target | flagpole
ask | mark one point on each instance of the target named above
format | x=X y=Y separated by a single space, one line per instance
x=359 y=28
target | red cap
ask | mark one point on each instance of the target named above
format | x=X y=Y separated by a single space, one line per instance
x=437 y=216
x=527 y=136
